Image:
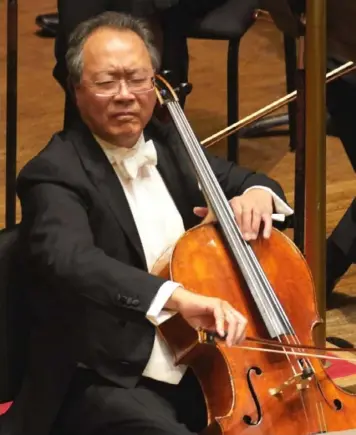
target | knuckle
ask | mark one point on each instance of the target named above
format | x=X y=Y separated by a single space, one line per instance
x=257 y=215
x=266 y=214
x=237 y=210
x=256 y=226
x=237 y=315
x=242 y=319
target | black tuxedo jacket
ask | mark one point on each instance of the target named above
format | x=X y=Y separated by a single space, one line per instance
x=88 y=285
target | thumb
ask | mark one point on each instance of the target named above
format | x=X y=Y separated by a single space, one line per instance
x=200 y=211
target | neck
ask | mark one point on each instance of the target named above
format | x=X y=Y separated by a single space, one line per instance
x=122 y=141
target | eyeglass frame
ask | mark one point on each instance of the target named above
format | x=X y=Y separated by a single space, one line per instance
x=118 y=82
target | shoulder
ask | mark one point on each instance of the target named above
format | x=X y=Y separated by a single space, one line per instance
x=57 y=162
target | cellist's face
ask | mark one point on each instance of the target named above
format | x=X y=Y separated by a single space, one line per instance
x=116 y=97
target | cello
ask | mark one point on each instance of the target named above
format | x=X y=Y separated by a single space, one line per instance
x=282 y=392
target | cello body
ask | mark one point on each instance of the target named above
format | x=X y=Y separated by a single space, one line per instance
x=252 y=392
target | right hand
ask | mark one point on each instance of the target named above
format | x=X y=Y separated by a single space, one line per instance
x=209 y=313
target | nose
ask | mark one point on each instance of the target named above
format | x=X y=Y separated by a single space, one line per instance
x=124 y=92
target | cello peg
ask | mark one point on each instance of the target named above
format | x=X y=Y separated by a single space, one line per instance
x=166 y=73
x=184 y=89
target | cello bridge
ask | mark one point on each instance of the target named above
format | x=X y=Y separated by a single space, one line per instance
x=299 y=381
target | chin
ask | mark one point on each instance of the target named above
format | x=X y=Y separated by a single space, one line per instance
x=130 y=132
x=128 y=127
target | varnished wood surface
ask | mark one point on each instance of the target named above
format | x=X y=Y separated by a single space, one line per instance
x=262 y=80
x=200 y=262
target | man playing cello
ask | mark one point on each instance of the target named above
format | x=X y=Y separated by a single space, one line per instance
x=100 y=204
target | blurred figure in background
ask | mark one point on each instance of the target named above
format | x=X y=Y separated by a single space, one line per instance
x=341 y=244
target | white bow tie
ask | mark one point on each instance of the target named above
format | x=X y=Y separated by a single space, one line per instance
x=144 y=156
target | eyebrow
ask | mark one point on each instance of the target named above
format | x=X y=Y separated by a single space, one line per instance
x=126 y=71
x=134 y=70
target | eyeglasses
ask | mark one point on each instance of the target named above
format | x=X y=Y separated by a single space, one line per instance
x=109 y=88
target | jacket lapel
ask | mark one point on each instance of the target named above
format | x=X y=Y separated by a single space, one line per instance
x=103 y=176
x=172 y=163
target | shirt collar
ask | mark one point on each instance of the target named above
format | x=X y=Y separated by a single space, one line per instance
x=115 y=153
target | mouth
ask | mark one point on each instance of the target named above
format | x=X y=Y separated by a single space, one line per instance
x=124 y=115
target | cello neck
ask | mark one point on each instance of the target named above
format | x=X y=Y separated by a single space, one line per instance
x=276 y=323
x=208 y=183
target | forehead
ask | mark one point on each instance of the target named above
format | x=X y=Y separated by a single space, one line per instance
x=109 y=49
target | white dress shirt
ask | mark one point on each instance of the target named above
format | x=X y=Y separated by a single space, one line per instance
x=159 y=225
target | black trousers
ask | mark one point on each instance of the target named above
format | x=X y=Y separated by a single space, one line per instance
x=94 y=406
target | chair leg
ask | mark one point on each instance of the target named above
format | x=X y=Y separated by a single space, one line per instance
x=265 y=127
x=233 y=97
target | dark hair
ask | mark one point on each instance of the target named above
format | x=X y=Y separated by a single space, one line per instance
x=113 y=20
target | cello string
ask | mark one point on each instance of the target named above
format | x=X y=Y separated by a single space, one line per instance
x=193 y=136
x=320 y=410
x=222 y=205
x=278 y=306
x=320 y=416
x=257 y=266
x=190 y=138
x=263 y=281
x=306 y=415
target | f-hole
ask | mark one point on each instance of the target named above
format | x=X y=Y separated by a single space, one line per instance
x=247 y=418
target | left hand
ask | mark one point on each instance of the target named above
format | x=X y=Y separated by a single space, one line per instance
x=251 y=209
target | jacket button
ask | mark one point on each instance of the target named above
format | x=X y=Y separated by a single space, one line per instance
x=129 y=300
x=135 y=303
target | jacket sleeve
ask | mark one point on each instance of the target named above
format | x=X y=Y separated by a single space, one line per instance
x=61 y=251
